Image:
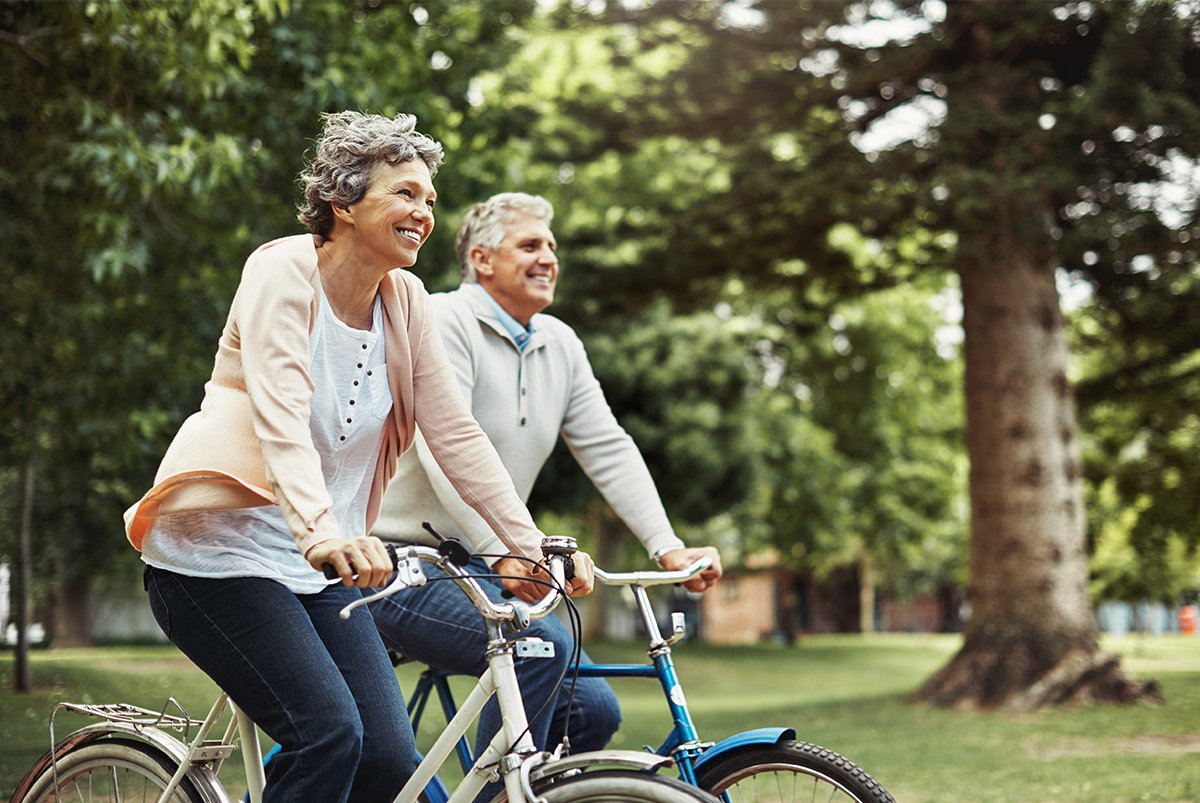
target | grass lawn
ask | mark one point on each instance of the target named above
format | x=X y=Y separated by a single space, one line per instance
x=847 y=693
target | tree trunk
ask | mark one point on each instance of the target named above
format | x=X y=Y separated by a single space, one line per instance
x=72 y=614
x=866 y=595
x=22 y=579
x=610 y=534
x=1031 y=636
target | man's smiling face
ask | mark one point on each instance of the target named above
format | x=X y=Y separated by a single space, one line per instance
x=520 y=273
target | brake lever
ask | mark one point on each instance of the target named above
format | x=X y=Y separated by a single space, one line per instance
x=408 y=575
x=450 y=548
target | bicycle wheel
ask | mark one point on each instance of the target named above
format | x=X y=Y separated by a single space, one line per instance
x=788 y=772
x=621 y=786
x=112 y=769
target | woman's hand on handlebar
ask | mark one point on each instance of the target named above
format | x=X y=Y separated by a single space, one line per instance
x=362 y=561
x=679 y=559
x=514 y=572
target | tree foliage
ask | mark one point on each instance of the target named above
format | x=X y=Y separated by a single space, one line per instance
x=145 y=150
x=1041 y=130
x=655 y=202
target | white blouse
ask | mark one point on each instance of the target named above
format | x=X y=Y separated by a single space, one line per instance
x=349 y=409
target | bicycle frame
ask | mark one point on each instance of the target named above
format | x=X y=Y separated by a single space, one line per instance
x=682 y=743
x=510 y=756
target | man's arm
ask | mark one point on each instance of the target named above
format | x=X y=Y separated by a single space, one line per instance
x=609 y=456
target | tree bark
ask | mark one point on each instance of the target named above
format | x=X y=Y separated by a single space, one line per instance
x=72 y=614
x=866 y=594
x=1031 y=637
x=22 y=579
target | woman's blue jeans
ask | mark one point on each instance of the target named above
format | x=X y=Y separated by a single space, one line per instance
x=319 y=686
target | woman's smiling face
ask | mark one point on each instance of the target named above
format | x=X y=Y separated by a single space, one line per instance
x=394 y=219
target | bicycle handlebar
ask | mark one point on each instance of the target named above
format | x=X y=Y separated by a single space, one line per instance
x=409 y=575
x=652 y=578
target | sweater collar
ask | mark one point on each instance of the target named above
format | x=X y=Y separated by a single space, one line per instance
x=488 y=310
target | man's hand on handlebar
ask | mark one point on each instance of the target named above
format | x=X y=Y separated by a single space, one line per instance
x=362 y=561
x=678 y=559
x=514 y=571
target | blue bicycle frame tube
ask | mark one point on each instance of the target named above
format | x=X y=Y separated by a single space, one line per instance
x=684 y=733
x=432 y=679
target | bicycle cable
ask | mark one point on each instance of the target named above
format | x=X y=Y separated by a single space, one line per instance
x=575 y=627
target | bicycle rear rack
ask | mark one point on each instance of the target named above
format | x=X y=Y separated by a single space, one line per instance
x=135 y=716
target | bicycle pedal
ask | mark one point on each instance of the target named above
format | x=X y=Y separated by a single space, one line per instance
x=535 y=648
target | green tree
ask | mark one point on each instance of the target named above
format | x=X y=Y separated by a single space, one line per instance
x=878 y=379
x=144 y=151
x=638 y=222
x=104 y=154
x=1032 y=115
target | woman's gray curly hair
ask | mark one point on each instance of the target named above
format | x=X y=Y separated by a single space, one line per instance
x=485 y=224
x=350 y=147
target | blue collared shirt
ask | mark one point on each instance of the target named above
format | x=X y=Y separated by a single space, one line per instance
x=511 y=325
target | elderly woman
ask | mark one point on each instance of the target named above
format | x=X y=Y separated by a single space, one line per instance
x=328 y=360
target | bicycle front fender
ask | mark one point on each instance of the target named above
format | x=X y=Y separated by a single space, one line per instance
x=744 y=739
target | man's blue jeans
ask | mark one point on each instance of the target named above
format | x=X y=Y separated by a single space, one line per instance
x=321 y=687
x=437 y=625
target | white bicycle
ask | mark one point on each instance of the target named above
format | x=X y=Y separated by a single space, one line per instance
x=135 y=754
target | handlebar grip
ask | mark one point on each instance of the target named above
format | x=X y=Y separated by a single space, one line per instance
x=331 y=573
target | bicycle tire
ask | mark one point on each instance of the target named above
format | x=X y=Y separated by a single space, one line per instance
x=121 y=769
x=616 y=786
x=787 y=772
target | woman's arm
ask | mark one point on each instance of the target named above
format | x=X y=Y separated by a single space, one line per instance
x=460 y=447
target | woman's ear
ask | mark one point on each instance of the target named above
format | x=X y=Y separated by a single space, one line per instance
x=342 y=212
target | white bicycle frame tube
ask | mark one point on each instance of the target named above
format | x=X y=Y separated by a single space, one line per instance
x=256 y=777
x=500 y=679
x=185 y=765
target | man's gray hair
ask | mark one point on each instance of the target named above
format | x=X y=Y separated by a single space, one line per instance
x=485 y=224
x=349 y=149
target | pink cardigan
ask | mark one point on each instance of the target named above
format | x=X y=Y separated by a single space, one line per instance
x=250 y=443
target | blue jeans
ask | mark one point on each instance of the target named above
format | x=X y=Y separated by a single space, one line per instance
x=321 y=687
x=437 y=625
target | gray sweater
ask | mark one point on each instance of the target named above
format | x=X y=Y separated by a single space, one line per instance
x=522 y=400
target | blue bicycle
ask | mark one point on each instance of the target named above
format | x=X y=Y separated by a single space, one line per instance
x=765 y=765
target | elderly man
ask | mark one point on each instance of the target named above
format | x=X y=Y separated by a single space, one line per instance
x=526 y=379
